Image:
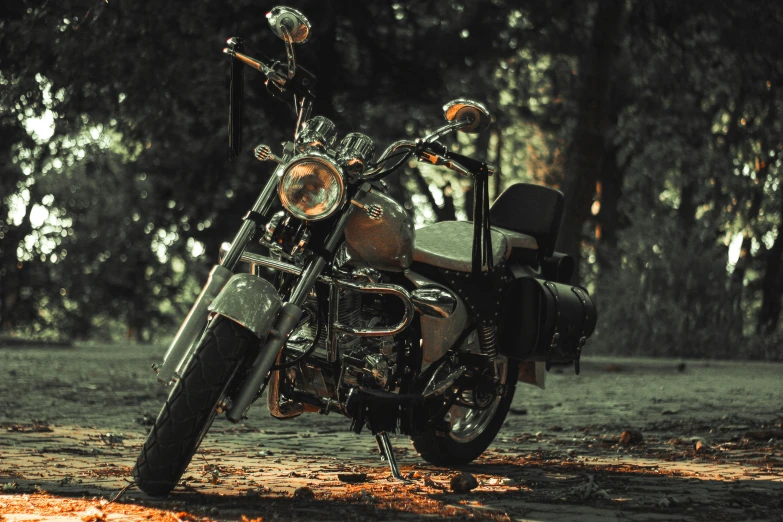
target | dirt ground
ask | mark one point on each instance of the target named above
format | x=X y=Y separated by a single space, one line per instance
x=72 y=421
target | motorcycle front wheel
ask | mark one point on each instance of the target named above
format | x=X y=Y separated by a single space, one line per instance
x=191 y=407
x=470 y=430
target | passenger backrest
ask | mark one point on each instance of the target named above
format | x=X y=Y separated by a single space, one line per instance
x=534 y=210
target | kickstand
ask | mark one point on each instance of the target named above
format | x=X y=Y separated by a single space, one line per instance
x=386 y=449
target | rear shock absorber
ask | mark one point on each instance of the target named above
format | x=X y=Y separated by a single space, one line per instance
x=488 y=339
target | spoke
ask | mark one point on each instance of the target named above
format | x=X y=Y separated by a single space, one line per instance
x=468 y=423
x=458 y=417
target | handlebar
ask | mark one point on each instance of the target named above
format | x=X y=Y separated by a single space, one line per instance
x=268 y=70
x=300 y=80
x=431 y=152
x=400 y=147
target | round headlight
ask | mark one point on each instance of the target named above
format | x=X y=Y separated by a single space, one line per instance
x=311 y=187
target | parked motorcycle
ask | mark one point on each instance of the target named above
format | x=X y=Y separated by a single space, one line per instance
x=424 y=333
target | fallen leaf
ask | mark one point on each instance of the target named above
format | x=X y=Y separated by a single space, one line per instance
x=93 y=514
x=764 y=434
x=631 y=437
x=304 y=493
x=352 y=478
x=431 y=483
x=463 y=483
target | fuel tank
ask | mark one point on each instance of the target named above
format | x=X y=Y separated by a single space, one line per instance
x=380 y=234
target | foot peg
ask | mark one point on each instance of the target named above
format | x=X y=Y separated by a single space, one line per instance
x=382 y=438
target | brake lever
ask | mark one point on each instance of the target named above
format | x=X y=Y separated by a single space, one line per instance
x=437 y=154
x=435 y=159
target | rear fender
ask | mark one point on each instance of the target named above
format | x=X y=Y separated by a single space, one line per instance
x=249 y=301
x=533 y=372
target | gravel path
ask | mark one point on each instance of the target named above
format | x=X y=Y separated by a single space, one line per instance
x=706 y=443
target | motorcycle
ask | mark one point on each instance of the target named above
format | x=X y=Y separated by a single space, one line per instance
x=424 y=333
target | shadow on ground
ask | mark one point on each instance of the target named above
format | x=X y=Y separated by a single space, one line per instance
x=710 y=449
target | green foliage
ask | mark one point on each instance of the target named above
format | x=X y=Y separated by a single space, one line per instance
x=651 y=305
x=660 y=121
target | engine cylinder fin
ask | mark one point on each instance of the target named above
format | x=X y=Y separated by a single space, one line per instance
x=350 y=307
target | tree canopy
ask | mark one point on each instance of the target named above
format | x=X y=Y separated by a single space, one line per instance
x=659 y=120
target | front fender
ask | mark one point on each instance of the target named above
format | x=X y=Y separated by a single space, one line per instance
x=250 y=301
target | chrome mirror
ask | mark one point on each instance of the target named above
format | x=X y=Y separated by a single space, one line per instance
x=289 y=24
x=472 y=114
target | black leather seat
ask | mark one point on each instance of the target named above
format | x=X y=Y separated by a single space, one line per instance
x=525 y=223
x=533 y=210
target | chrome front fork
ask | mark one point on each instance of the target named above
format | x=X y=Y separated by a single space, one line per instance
x=181 y=348
x=289 y=317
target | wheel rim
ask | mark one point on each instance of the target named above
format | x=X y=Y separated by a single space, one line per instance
x=466 y=424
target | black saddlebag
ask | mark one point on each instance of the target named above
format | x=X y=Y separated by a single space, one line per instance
x=546 y=321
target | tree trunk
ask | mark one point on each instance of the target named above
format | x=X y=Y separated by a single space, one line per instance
x=686 y=214
x=13 y=274
x=737 y=280
x=586 y=154
x=611 y=178
x=10 y=235
x=769 y=314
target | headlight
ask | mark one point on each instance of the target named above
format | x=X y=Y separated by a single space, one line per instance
x=311 y=187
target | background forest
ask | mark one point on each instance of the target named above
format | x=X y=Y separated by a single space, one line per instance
x=659 y=119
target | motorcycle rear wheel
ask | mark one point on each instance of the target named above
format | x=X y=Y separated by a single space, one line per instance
x=191 y=407
x=470 y=436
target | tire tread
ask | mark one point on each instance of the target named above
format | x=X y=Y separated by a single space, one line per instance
x=190 y=408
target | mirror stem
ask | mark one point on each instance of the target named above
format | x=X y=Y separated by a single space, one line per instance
x=289 y=51
x=446 y=129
